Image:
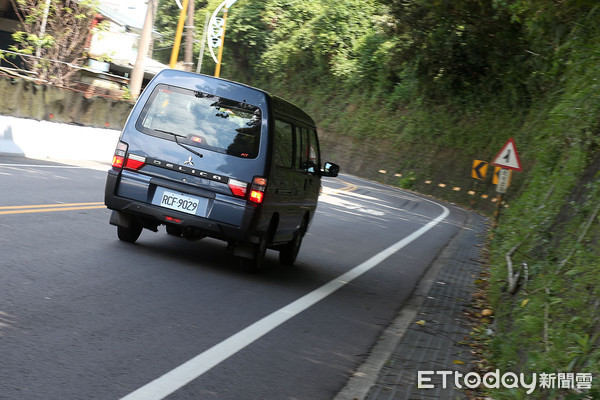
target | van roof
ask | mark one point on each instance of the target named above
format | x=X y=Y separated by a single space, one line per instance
x=286 y=108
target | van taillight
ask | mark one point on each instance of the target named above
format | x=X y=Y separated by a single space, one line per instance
x=122 y=160
x=256 y=196
x=135 y=162
x=257 y=190
x=117 y=162
x=119 y=157
x=238 y=188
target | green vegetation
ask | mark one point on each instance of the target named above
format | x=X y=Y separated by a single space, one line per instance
x=420 y=88
x=423 y=87
x=57 y=31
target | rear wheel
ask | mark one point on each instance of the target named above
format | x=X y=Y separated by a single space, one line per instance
x=289 y=251
x=131 y=233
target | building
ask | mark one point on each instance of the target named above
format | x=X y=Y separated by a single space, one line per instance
x=112 y=52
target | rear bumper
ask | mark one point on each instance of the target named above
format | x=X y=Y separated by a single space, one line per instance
x=155 y=215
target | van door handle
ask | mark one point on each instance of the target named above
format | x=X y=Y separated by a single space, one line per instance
x=284 y=191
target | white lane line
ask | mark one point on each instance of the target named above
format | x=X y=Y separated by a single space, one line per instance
x=100 y=167
x=195 y=367
x=42 y=166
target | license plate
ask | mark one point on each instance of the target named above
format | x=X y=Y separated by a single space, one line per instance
x=179 y=202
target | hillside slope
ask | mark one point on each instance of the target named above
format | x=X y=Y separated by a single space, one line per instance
x=444 y=95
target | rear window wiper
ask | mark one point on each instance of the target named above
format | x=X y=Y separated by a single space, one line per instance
x=187 y=147
x=176 y=135
x=168 y=132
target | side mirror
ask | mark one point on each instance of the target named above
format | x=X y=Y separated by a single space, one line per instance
x=330 y=169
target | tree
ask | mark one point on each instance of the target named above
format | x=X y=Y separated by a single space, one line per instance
x=53 y=36
x=166 y=23
x=454 y=45
x=285 y=37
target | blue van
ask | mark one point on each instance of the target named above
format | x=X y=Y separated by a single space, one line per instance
x=210 y=157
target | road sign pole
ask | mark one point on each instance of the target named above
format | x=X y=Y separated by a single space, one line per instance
x=475 y=196
x=503 y=180
x=479 y=173
x=498 y=207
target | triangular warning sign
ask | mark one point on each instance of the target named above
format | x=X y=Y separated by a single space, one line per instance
x=508 y=157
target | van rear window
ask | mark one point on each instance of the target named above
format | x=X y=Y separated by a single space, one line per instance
x=202 y=120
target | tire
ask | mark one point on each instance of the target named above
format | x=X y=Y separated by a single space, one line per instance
x=131 y=233
x=289 y=251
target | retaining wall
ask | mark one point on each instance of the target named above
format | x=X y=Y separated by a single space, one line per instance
x=26 y=99
x=39 y=121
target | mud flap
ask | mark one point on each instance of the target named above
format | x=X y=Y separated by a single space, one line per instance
x=118 y=218
x=246 y=249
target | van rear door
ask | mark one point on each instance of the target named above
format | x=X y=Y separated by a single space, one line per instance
x=193 y=145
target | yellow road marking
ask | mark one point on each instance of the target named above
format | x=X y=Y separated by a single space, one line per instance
x=5 y=210
x=350 y=187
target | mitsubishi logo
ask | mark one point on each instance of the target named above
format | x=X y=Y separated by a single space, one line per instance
x=189 y=162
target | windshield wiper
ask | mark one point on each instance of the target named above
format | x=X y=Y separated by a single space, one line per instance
x=176 y=135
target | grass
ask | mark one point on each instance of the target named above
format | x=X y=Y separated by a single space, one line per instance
x=552 y=322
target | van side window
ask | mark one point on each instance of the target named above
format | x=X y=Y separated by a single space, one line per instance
x=313 y=150
x=283 y=149
x=307 y=150
x=299 y=141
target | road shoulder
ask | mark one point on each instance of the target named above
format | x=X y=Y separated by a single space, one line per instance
x=435 y=343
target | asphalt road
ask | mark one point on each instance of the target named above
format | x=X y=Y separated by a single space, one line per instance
x=85 y=316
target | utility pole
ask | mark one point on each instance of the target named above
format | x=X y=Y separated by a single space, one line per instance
x=202 y=44
x=137 y=75
x=189 y=38
x=177 y=44
x=220 y=53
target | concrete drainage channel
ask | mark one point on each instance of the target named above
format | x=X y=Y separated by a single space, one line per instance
x=51 y=140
